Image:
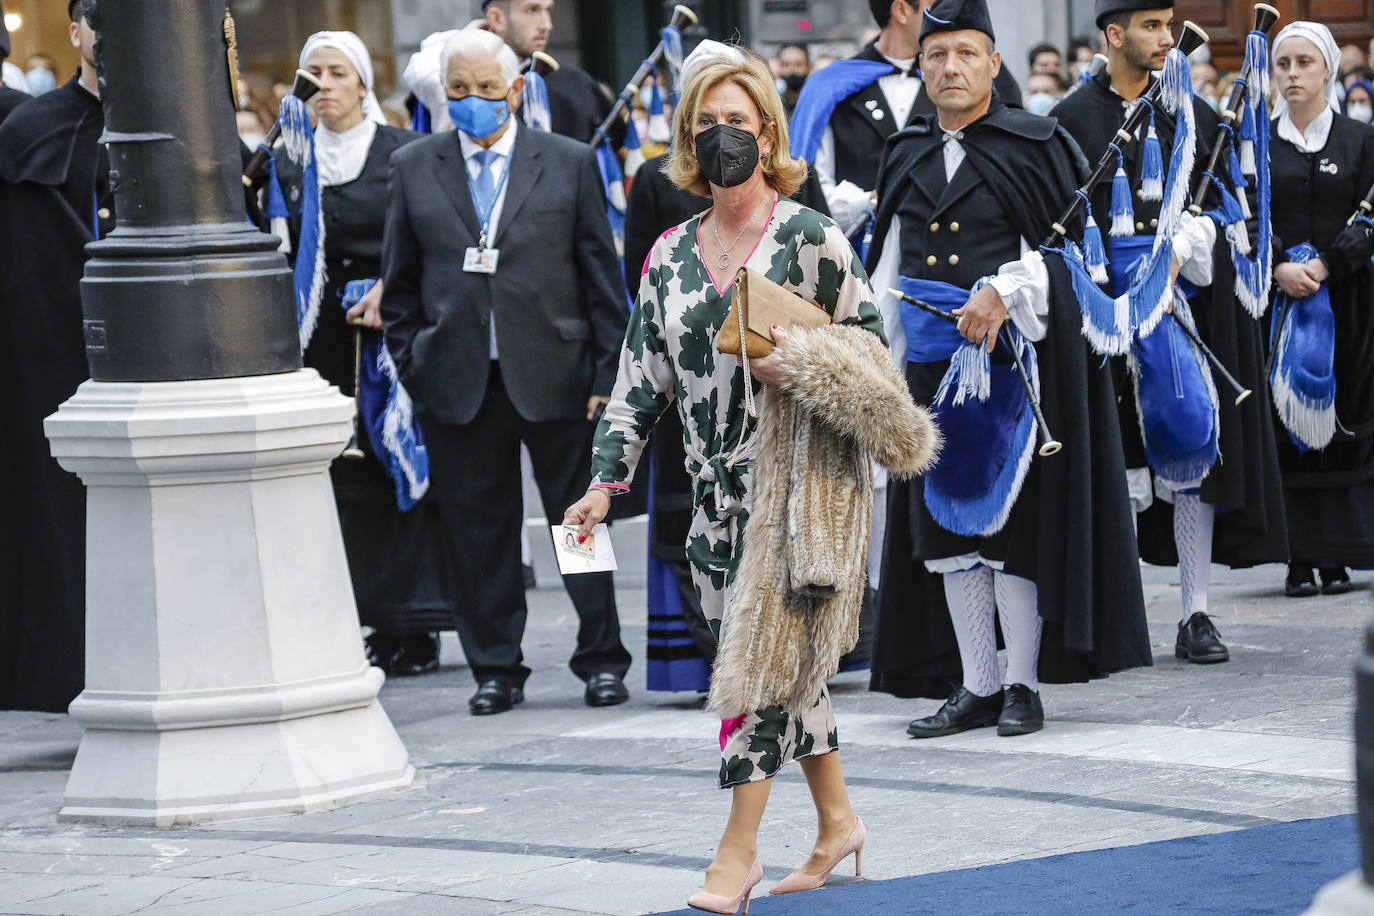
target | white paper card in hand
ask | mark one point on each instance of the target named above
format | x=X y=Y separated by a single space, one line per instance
x=595 y=554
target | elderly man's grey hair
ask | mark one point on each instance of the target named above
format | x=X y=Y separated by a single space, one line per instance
x=470 y=43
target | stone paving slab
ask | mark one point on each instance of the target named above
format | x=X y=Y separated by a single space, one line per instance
x=560 y=809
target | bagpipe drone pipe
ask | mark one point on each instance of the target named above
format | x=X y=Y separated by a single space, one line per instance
x=669 y=49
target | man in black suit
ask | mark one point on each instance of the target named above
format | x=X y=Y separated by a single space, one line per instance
x=505 y=309
x=577 y=103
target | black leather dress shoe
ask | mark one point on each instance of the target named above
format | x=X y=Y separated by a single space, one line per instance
x=1198 y=641
x=1335 y=580
x=494 y=696
x=419 y=654
x=1300 y=582
x=962 y=711
x=1021 y=713
x=606 y=689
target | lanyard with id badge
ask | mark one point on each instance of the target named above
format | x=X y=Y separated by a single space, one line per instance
x=482 y=260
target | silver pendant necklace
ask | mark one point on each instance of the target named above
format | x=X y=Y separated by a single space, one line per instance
x=723 y=261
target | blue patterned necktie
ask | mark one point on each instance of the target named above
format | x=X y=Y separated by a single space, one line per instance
x=484 y=185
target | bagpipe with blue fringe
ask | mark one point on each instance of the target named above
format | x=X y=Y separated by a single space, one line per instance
x=669 y=49
x=1242 y=142
x=383 y=410
x=987 y=409
x=1175 y=394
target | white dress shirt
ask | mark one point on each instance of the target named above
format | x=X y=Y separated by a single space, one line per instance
x=342 y=156
x=502 y=148
x=1311 y=139
x=846 y=200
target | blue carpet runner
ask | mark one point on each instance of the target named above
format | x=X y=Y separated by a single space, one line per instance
x=1275 y=869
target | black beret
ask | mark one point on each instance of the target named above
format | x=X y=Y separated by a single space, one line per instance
x=956 y=16
x=1104 y=8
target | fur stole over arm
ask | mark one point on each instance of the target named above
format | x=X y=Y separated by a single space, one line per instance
x=795 y=605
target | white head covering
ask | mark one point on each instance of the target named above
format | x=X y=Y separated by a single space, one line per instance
x=1320 y=36
x=353 y=48
x=707 y=51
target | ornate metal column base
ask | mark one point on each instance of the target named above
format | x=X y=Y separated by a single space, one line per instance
x=225 y=676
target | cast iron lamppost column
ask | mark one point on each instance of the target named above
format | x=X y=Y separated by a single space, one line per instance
x=224 y=673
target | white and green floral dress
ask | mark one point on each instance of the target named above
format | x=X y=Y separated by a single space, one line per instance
x=670 y=357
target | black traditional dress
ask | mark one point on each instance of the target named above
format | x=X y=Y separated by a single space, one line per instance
x=393 y=557
x=1330 y=492
x=54 y=199
x=1069 y=531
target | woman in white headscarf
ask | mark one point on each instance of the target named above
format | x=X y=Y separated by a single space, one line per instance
x=397 y=583
x=1322 y=165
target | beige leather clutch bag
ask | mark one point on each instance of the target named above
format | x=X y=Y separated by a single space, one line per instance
x=763 y=304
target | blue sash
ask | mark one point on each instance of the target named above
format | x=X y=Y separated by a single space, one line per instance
x=822 y=91
x=1303 y=380
x=930 y=339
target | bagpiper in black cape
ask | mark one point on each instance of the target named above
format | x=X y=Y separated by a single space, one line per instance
x=53 y=196
x=1070 y=531
x=1243 y=484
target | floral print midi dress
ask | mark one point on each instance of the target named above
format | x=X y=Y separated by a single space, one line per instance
x=670 y=358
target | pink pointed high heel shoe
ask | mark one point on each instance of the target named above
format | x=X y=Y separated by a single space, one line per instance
x=715 y=903
x=801 y=881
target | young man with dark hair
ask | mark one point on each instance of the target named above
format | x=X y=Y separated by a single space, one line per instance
x=1045 y=58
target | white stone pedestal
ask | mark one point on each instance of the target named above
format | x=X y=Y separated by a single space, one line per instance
x=225 y=675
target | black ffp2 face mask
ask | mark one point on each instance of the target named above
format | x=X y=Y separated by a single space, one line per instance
x=727 y=155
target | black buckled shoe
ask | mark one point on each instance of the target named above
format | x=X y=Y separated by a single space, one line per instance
x=962 y=711
x=606 y=689
x=494 y=696
x=1021 y=713
x=419 y=654
x=1335 y=580
x=1198 y=641
x=1300 y=582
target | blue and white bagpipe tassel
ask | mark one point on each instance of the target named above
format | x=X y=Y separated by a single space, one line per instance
x=659 y=131
x=1152 y=292
x=279 y=217
x=534 y=99
x=1152 y=165
x=1303 y=380
x=1253 y=264
x=1122 y=212
x=614 y=184
x=672 y=53
x=989 y=430
x=387 y=413
x=299 y=139
x=634 y=152
x=1176 y=402
x=1106 y=320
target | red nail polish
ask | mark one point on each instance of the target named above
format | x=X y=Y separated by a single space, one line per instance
x=581 y=538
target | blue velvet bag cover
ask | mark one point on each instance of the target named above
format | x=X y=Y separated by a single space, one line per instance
x=982 y=411
x=1303 y=380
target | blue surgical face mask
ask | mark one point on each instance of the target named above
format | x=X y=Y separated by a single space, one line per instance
x=1040 y=103
x=478 y=117
x=41 y=80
